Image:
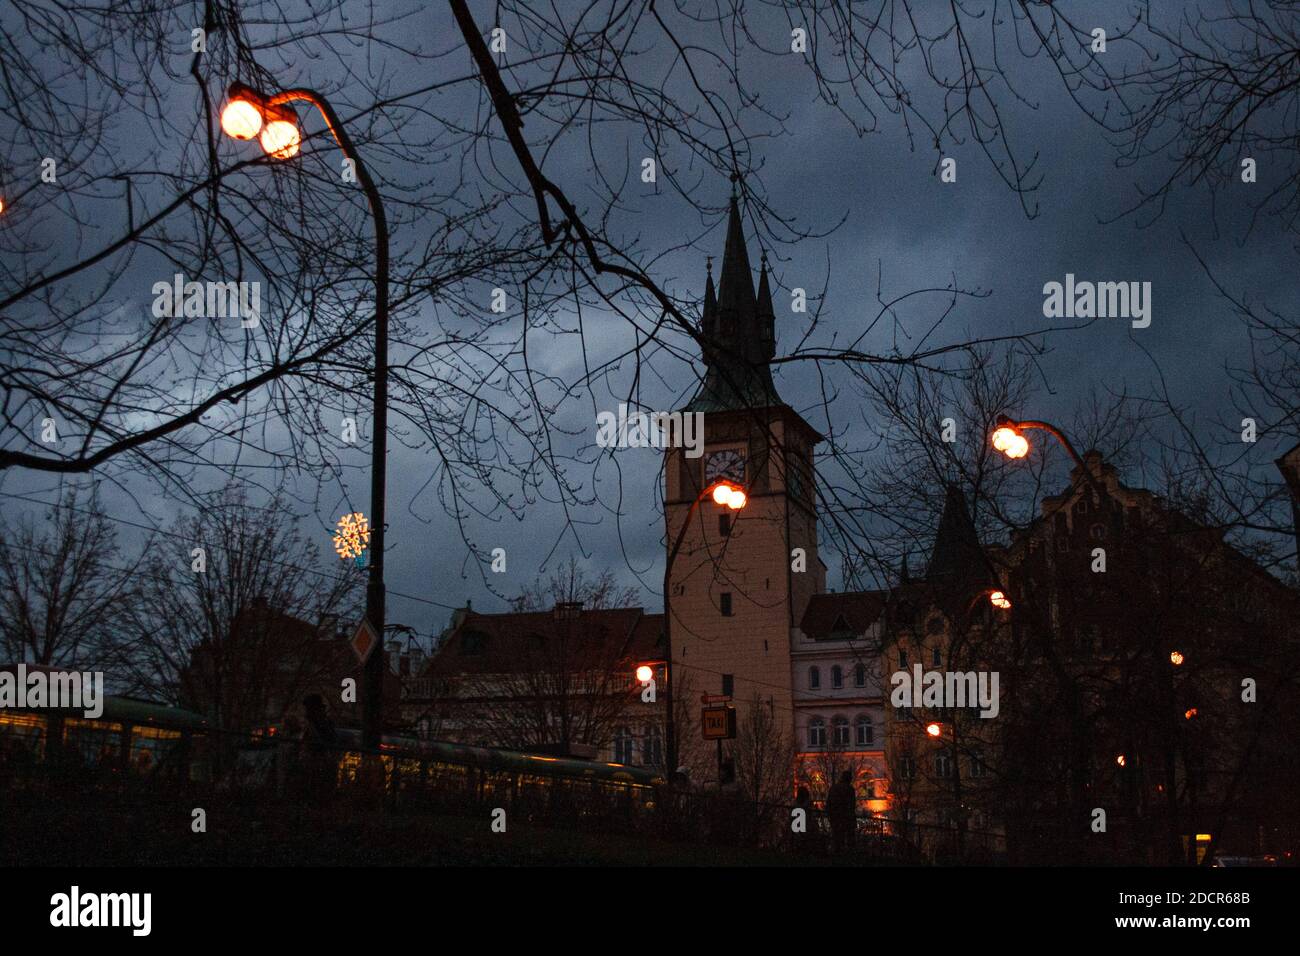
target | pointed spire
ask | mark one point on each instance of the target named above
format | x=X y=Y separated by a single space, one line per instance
x=766 y=317
x=740 y=339
x=736 y=285
x=710 y=301
x=957 y=557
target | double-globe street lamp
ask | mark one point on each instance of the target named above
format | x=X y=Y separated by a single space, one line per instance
x=727 y=494
x=249 y=113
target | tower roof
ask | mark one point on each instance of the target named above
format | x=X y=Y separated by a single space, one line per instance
x=958 y=557
x=739 y=332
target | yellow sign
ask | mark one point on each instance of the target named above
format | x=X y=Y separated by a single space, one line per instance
x=718 y=723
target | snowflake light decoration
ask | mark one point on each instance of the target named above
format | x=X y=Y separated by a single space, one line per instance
x=352 y=535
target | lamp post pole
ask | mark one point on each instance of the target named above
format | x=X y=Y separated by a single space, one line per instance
x=373 y=674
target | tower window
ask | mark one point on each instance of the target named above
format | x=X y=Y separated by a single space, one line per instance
x=724 y=600
x=724 y=525
x=728 y=685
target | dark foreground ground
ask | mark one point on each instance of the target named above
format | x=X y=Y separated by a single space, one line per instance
x=53 y=835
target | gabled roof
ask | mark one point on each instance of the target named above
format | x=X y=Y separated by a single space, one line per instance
x=509 y=642
x=854 y=611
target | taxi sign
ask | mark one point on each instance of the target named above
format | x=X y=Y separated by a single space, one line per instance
x=718 y=722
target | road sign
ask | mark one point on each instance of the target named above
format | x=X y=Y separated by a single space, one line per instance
x=718 y=723
x=364 y=640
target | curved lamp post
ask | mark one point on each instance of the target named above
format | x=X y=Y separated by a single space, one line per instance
x=1008 y=438
x=733 y=496
x=249 y=113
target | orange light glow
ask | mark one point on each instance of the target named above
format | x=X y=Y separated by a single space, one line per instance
x=934 y=730
x=737 y=499
x=1010 y=442
x=1121 y=760
x=999 y=600
x=722 y=493
x=280 y=139
x=1176 y=658
x=644 y=673
x=2 y=205
x=1191 y=712
x=241 y=119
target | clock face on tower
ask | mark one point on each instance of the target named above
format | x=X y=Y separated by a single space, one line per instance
x=728 y=463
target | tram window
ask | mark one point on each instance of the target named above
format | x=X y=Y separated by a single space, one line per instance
x=151 y=746
x=23 y=732
x=97 y=743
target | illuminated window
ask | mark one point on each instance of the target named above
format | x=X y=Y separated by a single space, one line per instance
x=817 y=732
x=622 y=745
x=866 y=733
x=652 y=747
x=840 y=727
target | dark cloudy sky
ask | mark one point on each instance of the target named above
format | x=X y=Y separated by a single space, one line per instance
x=899 y=217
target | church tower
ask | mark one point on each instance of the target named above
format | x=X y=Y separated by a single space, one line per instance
x=742 y=579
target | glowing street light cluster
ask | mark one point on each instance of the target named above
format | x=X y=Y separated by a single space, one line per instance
x=248 y=113
x=352 y=536
x=644 y=673
x=999 y=600
x=730 y=495
x=1010 y=442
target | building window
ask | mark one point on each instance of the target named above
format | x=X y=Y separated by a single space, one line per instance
x=906 y=768
x=814 y=678
x=652 y=749
x=936 y=657
x=977 y=768
x=866 y=732
x=860 y=676
x=724 y=524
x=841 y=731
x=725 y=601
x=902 y=659
x=837 y=676
x=816 y=733
x=942 y=766
x=622 y=745
x=728 y=685
x=472 y=643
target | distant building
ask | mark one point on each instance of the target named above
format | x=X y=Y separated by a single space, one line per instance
x=560 y=682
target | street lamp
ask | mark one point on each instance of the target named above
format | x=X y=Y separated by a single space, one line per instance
x=248 y=113
x=727 y=494
x=1008 y=438
x=645 y=673
x=934 y=729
